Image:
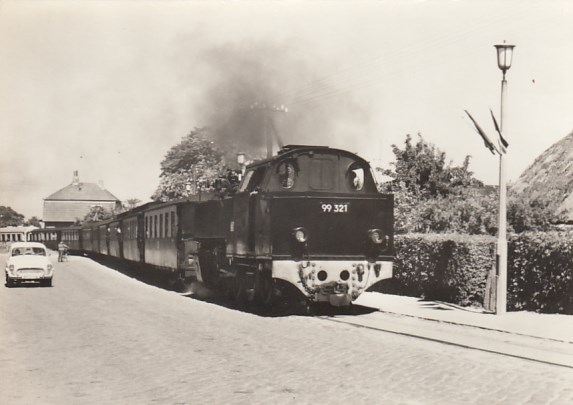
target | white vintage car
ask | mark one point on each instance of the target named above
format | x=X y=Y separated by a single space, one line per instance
x=28 y=261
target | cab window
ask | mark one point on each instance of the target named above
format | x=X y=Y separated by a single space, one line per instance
x=253 y=179
x=287 y=173
x=355 y=178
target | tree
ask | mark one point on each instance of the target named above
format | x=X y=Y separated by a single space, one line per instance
x=97 y=213
x=131 y=203
x=195 y=162
x=432 y=196
x=421 y=170
x=33 y=221
x=9 y=217
x=529 y=214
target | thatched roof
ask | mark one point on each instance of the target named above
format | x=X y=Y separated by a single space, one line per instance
x=550 y=178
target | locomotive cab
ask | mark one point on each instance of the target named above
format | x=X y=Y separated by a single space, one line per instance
x=315 y=220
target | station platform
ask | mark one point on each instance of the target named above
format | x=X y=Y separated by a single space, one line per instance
x=556 y=327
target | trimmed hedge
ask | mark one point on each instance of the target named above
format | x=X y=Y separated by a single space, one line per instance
x=454 y=268
x=540 y=272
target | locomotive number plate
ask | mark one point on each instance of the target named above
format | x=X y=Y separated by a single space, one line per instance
x=335 y=208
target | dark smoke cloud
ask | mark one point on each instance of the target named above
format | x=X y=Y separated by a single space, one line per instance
x=273 y=74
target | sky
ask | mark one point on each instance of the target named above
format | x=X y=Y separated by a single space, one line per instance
x=108 y=87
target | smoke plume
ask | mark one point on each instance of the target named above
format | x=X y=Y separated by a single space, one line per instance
x=247 y=84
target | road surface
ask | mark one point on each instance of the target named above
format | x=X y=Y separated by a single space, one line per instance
x=100 y=337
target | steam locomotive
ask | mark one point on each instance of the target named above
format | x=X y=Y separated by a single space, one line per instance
x=308 y=220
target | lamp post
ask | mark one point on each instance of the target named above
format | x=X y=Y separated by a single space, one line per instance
x=504 y=56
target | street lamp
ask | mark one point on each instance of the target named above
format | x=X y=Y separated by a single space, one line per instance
x=504 y=57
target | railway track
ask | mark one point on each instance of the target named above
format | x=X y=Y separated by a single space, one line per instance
x=542 y=350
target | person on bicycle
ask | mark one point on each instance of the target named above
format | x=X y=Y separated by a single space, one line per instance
x=62 y=250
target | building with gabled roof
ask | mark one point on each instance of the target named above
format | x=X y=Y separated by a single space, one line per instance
x=73 y=202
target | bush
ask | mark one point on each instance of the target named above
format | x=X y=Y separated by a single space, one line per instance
x=454 y=268
x=449 y=268
x=540 y=272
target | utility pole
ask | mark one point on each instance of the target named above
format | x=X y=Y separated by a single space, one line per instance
x=269 y=128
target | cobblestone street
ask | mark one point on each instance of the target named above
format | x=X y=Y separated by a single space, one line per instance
x=98 y=336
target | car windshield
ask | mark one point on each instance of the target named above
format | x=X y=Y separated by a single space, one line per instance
x=30 y=251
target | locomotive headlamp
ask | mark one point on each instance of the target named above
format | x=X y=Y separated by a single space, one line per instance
x=300 y=234
x=376 y=236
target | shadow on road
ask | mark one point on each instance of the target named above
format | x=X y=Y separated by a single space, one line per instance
x=289 y=304
x=27 y=284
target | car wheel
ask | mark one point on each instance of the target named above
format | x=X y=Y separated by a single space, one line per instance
x=47 y=283
x=9 y=282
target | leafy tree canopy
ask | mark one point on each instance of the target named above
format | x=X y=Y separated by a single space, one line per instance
x=33 y=221
x=131 y=203
x=9 y=217
x=421 y=170
x=432 y=196
x=193 y=163
x=97 y=213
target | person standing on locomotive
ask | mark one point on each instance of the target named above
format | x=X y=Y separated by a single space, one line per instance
x=62 y=249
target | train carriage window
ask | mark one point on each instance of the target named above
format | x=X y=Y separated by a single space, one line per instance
x=287 y=173
x=155 y=233
x=161 y=225
x=167 y=230
x=147 y=227
x=173 y=231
